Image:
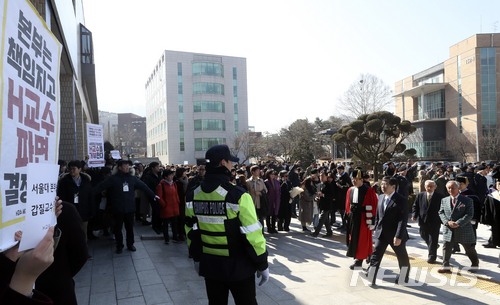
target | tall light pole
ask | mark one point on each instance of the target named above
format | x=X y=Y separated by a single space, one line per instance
x=314 y=139
x=477 y=137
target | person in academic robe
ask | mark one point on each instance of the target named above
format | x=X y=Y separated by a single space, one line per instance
x=490 y=214
x=465 y=191
x=426 y=209
x=360 y=207
x=481 y=182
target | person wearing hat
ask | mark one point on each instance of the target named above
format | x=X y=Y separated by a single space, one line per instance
x=224 y=235
x=120 y=189
x=426 y=209
x=360 y=207
x=481 y=183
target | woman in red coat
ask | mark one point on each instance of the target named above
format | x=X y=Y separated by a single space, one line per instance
x=169 y=205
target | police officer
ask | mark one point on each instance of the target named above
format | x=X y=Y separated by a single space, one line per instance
x=224 y=235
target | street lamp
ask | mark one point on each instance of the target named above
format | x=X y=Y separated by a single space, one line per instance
x=314 y=139
x=477 y=137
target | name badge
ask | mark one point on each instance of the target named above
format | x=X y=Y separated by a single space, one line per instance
x=125 y=187
x=76 y=199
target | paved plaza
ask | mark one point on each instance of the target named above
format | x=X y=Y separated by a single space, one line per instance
x=304 y=270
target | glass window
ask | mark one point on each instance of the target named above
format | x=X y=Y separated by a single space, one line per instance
x=196 y=68
x=197 y=106
x=210 y=88
x=208 y=68
x=196 y=88
x=197 y=125
x=198 y=144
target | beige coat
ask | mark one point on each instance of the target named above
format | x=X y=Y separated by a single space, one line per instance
x=254 y=189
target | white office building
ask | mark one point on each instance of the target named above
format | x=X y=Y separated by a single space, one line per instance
x=194 y=101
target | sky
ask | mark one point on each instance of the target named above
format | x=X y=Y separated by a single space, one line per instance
x=301 y=55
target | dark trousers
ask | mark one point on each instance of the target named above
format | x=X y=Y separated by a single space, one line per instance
x=469 y=250
x=323 y=219
x=138 y=215
x=284 y=222
x=128 y=220
x=243 y=291
x=155 y=215
x=295 y=205
x=378 y=253
x=173 y=225
x=431 y=237
x=180 y=227
x=271 y=223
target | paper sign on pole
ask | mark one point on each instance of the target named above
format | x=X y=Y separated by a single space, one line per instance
x=115 y=154
x=95 y=145
x=30 y=102
x=40 y=210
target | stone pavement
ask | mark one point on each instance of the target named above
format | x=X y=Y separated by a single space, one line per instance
x=304 y=270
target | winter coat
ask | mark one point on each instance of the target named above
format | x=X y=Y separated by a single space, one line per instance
x=462 y=214
x=306 y=206
x=122 y=201
x=169 y=199
x=254 y=189
x=67 y=189
x=274 y=194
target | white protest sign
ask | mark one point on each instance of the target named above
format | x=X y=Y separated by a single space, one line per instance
x=95 y=145
x=115 y=154
x=40 y=209
x=30 y=102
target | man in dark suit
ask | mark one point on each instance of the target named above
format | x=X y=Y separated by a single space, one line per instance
x=325 y=200
x=456 y=213
x=390 y=229
x=426 y=209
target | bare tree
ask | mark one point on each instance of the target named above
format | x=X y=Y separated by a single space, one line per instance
x=489 y=145
x=125 y=139
x=368 y=94
x=460 y=145
x=248 y=144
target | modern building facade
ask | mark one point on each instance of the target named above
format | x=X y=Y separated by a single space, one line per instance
x=194 y=101
x=66 y=20
x=109 y=123
x=132 y=134
x=455 y=102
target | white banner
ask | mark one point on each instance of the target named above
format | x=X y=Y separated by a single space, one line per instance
x=95 y=144
x=40 y=210
x=115 y=154
x=30 y=99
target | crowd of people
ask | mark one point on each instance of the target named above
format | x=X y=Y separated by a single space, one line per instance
x=372 y=216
